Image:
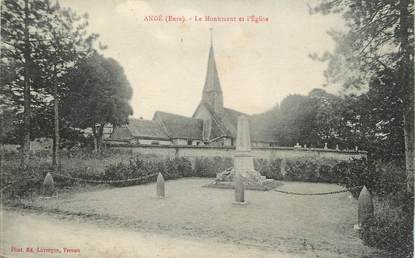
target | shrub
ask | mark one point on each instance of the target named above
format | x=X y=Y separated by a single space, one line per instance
x=354 y=173
x=208 y=167
x=302 y=170
x=136 y=168
x=269 y=169
x=391 y=228
x=390 y=178
x=20 y=183
x=326 y=174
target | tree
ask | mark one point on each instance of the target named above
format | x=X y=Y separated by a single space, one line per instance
x=39 y=42
x=379 y=39
x=6 y=127
x=295 y=122
x=66 y=44
x=20 y=22
x=98 y=94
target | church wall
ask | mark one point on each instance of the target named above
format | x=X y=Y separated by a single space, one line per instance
x=261 y=144
x=180 y=141
x=227 y=141
x=154 y=142
x=288 y=153
x=197 y=143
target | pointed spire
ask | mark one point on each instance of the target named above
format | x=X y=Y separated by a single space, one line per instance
x=212 y=78
x=211 y=37
x=212 y=92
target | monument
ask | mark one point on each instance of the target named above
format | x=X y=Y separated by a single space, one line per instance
x=243 y=161
x=243 y=164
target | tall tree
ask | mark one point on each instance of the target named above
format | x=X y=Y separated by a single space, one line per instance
x=379 y=39
x=67 y=42
x=99 y=95
x=40 y=41
x=296 y=118
x=20 y=20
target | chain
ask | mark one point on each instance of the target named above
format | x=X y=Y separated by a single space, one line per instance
x=85 y=180
x=325 y=193
x=15 y=182
x=104 y=181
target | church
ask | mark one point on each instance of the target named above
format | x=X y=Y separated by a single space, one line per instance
x=212 y=124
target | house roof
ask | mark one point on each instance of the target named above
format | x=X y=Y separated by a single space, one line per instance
x=146 y=129
x=182 y=127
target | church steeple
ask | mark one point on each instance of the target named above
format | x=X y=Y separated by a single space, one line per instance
x=212 y=92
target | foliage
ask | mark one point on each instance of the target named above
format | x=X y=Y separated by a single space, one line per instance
x=392 y=226
x=302 y=170
x=98 y=94
x=7 y=117
x=20 y=182
x=40 y=41
x=377 y=48
x=372 y=121
x=170 y=168
x=209 y=167
x=269 y=169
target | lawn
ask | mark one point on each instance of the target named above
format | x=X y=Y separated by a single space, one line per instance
x=319 y=226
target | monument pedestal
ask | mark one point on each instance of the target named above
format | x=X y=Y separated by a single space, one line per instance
x=243 y=165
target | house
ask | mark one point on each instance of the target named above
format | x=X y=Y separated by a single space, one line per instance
x=140 y=131
x=212 y=124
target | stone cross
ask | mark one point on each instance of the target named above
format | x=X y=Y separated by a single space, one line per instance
x=283 y=165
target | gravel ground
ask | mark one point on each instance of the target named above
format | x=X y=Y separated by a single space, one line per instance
x=304 y=226
x=52 y=236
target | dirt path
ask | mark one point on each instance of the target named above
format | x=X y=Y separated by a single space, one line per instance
x=26 y=230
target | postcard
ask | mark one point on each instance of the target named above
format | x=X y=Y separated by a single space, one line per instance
x=150 y=128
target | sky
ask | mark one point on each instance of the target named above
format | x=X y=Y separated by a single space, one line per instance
x=165 y=62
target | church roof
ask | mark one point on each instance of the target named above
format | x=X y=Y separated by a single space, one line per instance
x=227 y=125
x=145 y=129
x=231 y=120
x=180 y=127
x=212 y=79
x=259 y=130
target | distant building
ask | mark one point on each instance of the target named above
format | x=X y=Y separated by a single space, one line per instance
x=211 y=124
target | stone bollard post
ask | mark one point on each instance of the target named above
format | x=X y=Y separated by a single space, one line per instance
x=283 y=165
x=48 y=185
x=337 y=147
x=365 y=208
x=239 y=190
x=325 y=146
x=160 y=186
